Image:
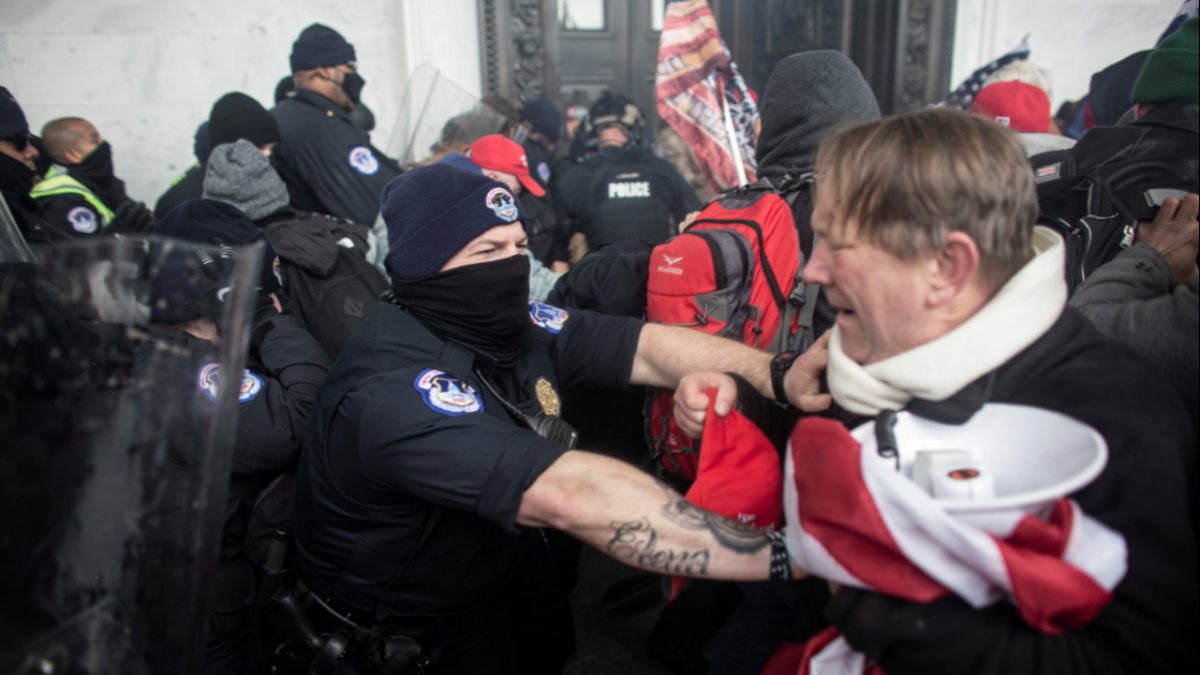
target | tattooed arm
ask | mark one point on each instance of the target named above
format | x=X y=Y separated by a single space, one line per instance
x=641 y=522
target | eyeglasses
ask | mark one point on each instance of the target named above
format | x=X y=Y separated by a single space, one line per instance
x=19 y=141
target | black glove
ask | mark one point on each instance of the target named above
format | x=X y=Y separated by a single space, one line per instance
x=132 y=218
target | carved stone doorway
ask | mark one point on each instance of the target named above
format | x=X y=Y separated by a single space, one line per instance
x=902 y=46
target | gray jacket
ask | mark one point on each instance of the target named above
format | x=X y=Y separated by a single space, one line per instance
x=1131 y=299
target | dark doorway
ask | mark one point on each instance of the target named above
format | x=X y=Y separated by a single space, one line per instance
x=608 y=45
x=570 y=50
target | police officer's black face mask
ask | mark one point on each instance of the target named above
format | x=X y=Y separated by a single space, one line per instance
x=483 y=306
x=99 y=161
x=352 y=84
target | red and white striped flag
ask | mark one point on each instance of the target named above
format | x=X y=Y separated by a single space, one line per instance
x=703 y=97
x=856 y=521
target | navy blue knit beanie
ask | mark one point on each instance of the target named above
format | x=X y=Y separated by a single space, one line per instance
x=207 y=221
x=319 y=46
x=434 y=211
x=543 y=117
x=12 y=118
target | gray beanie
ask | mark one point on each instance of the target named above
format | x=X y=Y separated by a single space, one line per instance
x=239 y=174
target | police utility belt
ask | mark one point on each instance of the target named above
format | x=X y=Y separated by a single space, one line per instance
x=319 y=637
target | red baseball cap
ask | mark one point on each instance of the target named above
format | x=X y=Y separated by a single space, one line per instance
x=497 y=153
x=1017 y=105
x=739 y=475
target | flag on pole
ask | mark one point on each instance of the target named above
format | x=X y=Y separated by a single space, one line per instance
x=964 y=94
x=702 y=96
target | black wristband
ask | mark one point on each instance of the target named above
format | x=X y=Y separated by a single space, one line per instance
x=781 y=567
x=780 y=364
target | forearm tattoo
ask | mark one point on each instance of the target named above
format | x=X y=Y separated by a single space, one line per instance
x=636 y=542
x=735 y=536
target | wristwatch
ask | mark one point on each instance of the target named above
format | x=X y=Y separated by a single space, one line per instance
x=780 y=364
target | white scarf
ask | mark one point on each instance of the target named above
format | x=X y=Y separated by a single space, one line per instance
x=1020 y=313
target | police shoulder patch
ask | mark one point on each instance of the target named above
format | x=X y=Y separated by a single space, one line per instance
x=83 y=220
x=447 y=394
x=209 y=382
x=548 y=317
x=363 y=160
x=503 y=204
x=543 y=170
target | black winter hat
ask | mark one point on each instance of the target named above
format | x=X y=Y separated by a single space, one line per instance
x=207 y=221
x=433 y=211
x=236 y=115
x=543 y=117
x=319 y=46
x=12 y=118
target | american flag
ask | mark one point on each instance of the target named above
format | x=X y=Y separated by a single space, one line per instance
x=702 y=96
x=854 y=520
x=964 y=94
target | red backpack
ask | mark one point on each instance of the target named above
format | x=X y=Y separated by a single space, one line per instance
x=733 y=272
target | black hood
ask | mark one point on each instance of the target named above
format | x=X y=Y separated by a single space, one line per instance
x=808 y=96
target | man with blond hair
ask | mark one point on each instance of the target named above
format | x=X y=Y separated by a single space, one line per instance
x=947 y=298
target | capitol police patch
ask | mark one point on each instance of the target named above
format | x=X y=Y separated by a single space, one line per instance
x=447 y=394
x=83 y=220
x=543 y=170
x=548 y=317
x=209 y=382
x=502 y=203
x=363 y=160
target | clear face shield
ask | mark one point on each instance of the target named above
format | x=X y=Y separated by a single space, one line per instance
x=437 y=116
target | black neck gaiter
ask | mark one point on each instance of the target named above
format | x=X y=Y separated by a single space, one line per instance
x=484 y=307
x=15 y=177
x=97 y=170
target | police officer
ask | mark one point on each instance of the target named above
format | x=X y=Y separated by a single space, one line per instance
x=276 y=391
x=18 y=165
x=80 y=195
x=328 y=163
x=622 y=191
x=438 y=447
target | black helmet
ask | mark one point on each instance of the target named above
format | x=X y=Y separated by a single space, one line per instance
x=615 y=109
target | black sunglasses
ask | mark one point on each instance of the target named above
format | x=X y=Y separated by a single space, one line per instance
x=20 y=141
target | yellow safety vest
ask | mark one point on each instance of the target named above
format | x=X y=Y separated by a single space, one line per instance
x=59 y=182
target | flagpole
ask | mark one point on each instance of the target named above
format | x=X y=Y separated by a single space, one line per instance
x=734 y=148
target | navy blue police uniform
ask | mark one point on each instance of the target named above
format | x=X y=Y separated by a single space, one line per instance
x=622 y=193
x=328 y=163
x=625 y=193
x=407 y=500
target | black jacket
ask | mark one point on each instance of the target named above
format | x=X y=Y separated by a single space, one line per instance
x=329 y=164
x=188 y=186
x=1151 y=623
x=277 y=391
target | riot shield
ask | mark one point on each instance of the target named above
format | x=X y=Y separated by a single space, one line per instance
x=437 y=116
x=116 y=460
